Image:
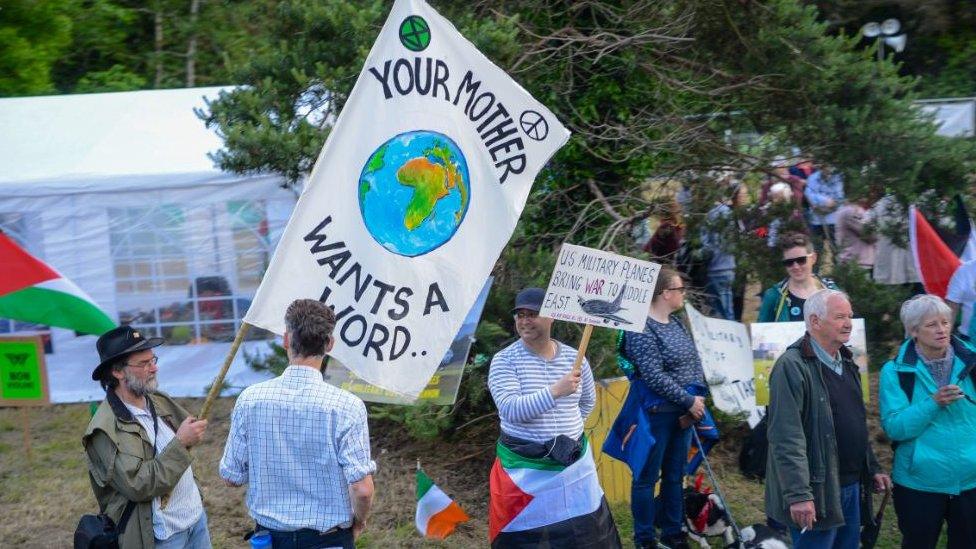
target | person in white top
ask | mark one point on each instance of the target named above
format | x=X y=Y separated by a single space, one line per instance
x=962 y=295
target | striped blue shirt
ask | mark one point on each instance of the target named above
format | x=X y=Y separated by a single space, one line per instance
x=519 y=382
x=298 y=443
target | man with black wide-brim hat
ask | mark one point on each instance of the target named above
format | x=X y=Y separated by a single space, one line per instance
x=138 y=449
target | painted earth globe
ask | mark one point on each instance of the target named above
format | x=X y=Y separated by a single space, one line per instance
x=414 y=192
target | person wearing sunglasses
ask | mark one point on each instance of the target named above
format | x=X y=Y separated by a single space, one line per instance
x=668 y=368
x=783 y=302
x=927 y=394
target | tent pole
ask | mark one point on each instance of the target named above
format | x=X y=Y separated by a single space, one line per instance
x=219 y=380
x=25 y=418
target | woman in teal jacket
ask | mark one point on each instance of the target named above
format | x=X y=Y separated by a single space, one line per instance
x=784 y=301
x=928 y=409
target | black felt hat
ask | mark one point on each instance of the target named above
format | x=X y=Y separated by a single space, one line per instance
x=119 y=342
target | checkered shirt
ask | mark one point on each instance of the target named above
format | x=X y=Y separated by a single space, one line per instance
x=298 y=443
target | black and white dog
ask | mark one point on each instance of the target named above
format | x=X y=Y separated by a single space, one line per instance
x=705 y=516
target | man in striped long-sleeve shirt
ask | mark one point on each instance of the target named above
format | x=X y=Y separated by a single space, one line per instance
x=537 y=395
x=542 y=452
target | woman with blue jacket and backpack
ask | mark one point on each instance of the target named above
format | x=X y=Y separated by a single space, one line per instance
x=928 y=409
x=667 y=364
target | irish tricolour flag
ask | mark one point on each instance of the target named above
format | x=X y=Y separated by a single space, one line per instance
x=32 y=291
x=437 y=514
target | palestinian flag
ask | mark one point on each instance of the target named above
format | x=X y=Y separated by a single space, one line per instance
x=540 y=502
x=437 y=514
x=961 y=239
x=934 y=259
x=32 y=291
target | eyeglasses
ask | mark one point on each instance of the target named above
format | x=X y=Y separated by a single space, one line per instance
x=526 y=314
x=802 y=260
x=681 y=289
x=145 y=363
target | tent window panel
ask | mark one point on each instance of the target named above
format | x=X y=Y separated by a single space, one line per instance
x=249 y=226
x=175 y=284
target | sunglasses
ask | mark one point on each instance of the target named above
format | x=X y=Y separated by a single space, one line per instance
x=676 y=289
x=802 y=260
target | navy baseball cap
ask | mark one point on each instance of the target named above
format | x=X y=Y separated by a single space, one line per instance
x=530 y=299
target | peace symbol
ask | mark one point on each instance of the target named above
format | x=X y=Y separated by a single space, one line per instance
x=534 y=125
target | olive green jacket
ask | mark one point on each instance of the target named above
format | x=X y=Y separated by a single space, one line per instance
x=801 y=463
x=121 y=466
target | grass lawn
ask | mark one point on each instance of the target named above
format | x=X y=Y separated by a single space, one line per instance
x=41 y=499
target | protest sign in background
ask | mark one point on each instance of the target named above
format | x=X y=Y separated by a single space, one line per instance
x=600 y=288
x=770 y=339
x=23 y=378
x=443 y=386
x=726 y=356
x=411 y=200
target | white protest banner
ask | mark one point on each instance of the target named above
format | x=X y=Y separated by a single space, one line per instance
x=411 y=201
x=600 y=288
x=770 y=339
x=726 y=356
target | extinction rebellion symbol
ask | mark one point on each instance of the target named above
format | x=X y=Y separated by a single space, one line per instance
x=414 y=33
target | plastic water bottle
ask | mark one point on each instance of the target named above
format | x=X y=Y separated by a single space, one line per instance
x=261 y=540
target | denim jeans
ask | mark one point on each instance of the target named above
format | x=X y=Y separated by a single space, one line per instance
x=718 y=289
x=847 y=536
x=667 y=462
x=194 y=537
x=311 y=539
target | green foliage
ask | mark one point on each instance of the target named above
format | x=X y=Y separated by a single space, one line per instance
x=33 y=35
x=957 y=78
x=879 y=307
x=115 y=79
x=274 y=361
x=298 y=86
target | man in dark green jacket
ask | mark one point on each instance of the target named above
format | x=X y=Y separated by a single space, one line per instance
x=819 y=451
x=137 y=445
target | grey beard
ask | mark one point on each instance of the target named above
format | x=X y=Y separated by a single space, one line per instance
x=138 y=387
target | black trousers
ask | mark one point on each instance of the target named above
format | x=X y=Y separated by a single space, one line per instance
x=921 y=514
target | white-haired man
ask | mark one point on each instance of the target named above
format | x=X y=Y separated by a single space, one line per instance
x=819 y=452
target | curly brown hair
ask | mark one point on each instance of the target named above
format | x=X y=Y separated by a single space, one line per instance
x=309 y=324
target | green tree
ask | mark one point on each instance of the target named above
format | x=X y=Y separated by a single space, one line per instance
x=33 y=35
x=654 y=92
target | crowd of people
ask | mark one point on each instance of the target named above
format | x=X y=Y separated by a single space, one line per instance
x=796 y=198
x=820 y=460
x=301 y=446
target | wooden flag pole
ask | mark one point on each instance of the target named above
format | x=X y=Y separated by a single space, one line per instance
x=25 y=417
x=584 y=343
x=219 y=380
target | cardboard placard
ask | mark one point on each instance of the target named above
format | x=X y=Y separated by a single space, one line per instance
x=726 y=356
x=600 y=288
x=23 y=375
x=770 y=339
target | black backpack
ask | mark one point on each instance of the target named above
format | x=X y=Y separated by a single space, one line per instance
x=752 y=456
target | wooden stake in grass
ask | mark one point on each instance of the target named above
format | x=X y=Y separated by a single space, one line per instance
x=581 y=353
x=219 y=380
x=25 y=418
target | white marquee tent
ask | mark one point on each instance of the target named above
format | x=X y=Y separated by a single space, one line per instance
x=118 y=193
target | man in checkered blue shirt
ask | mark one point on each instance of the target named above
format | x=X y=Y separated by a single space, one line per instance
x=302 y=445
